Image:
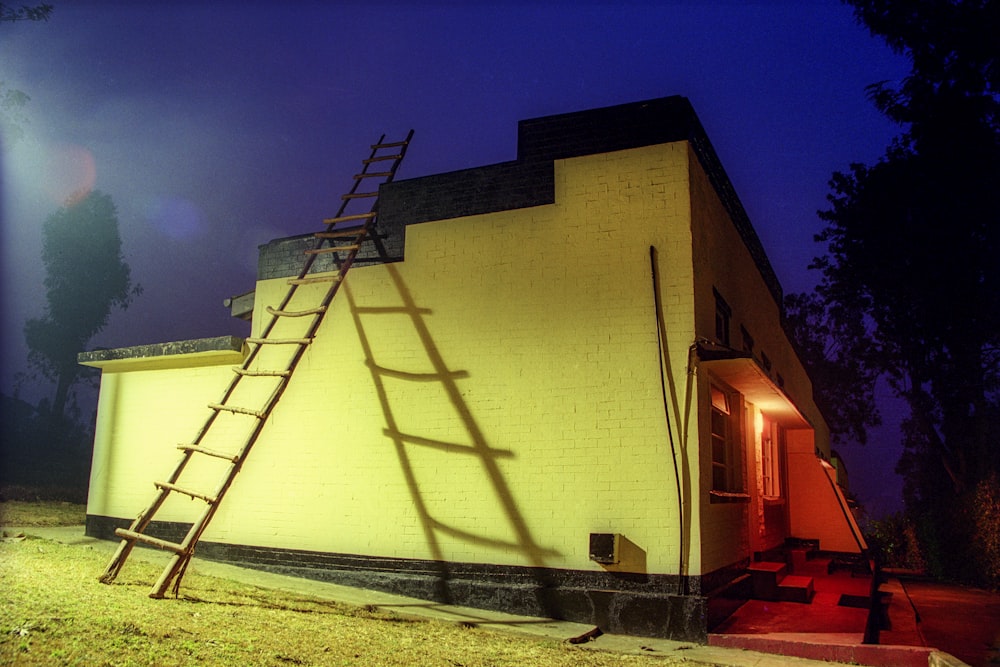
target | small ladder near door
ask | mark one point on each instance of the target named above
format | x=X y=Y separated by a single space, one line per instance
x=268 y=368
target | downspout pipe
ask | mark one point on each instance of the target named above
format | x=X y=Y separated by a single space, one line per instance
x=682 y=587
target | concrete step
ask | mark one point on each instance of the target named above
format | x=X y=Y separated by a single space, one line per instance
x=765 y=577
x=835 y=648
x=818 y=566
x=797 y=559
x=795 y=588
x=771 y=581
x=725 y=600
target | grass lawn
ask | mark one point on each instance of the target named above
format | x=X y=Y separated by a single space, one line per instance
x=43 y=513
x=53 y=611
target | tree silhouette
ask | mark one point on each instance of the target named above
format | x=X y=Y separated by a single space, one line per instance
x=912 y=270
x=86 y=278
x=24 y=13
x=13 y=101
x=837 y=355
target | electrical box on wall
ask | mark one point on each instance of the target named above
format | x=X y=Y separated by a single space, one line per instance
x=604 y=548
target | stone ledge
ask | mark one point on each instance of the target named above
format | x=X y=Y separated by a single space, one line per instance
x=176 y=354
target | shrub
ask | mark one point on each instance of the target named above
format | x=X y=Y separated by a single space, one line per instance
x=985 y=514
x=893 y=542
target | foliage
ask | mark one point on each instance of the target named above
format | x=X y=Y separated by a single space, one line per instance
x=984 y=510
x=836 y=353
x=893 y=542
x=910 y=288
x=25 y=13
x=86 y=277
x=12 y=118
x=12 y=101
x=42 y=455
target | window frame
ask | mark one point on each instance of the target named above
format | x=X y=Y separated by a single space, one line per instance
x=748 y=341
x=723 y=319
x=772 y=487
x=726 y=450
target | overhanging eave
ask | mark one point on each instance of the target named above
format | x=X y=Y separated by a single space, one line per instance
x=745 y=376
x=216 y=351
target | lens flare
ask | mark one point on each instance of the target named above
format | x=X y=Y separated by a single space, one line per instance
x=70 y=173
x=176 y=218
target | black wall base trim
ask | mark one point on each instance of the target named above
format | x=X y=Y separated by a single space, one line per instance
x=624 y=603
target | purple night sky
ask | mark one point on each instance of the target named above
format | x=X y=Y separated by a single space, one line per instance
x=218 y=126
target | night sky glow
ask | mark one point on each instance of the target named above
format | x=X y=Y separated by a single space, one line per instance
x=218 y=126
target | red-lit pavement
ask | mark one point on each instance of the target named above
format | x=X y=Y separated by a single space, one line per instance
x=928 y=623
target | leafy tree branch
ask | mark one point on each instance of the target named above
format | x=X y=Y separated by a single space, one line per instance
x=86 y=279
x=25 y=13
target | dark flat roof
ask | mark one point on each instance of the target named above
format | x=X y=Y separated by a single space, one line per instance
x=529 y=180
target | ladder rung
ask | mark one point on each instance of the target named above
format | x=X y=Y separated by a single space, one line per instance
x=240 y=411
x=418 y=377
x=360 y=226
x=196 y=449
x=295 y=313
x=347 y=218
x=333 y=277
x=324 y=251
x=249 y=373
x=382 y=158
x=148 y=539
x=340 y=233
x=444 y=445
x=279 y=341
x=389 y=310
x=187 y=492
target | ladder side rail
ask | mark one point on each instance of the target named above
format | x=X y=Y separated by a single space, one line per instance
x=145 y=517
x=142 y=521
x=178 y=564
x=405 y=145
x=345 y=264
x=126 y=545
x=300 y=351
x=307 y=266
x=343 y=205
x=364 y=170
x=389 y=176
x=183 y=555
x=354 y=188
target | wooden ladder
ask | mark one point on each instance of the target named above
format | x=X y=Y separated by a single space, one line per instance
x=268 y=368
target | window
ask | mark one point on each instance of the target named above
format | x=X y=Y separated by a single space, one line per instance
x=747 y=340
x=723 y=314
x=770 y=459
x=727 y=475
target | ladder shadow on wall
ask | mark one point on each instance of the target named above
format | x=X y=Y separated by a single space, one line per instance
x=476 y=446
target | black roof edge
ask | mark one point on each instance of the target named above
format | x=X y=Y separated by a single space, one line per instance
x=529 y=181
